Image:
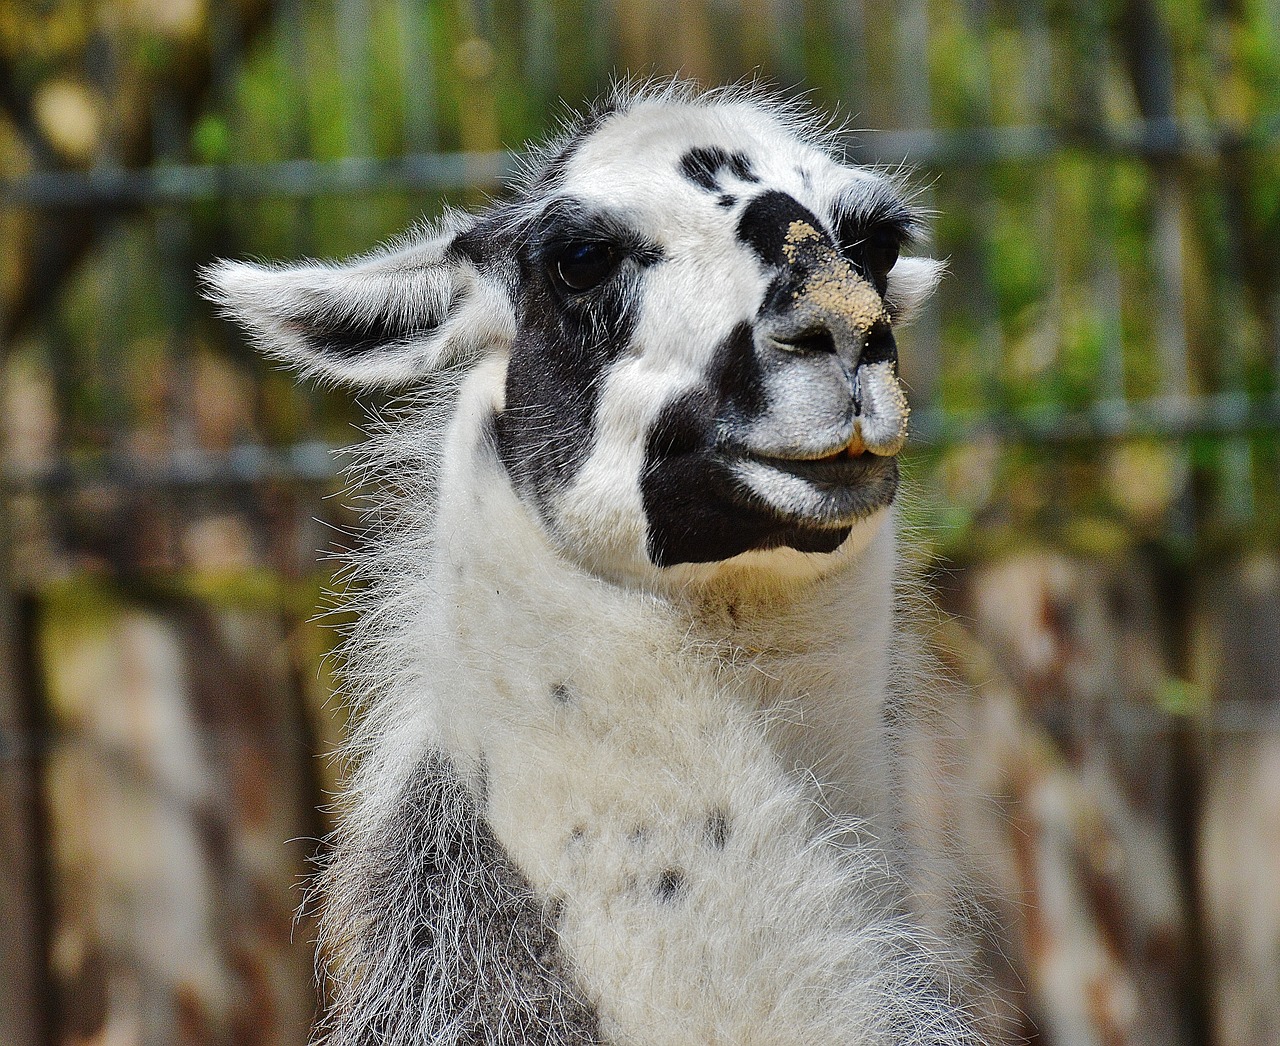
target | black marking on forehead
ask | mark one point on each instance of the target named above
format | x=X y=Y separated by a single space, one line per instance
x=765 y=220
x=726 y=200
x=703 y=165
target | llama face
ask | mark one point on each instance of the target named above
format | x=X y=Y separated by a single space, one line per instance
x=696 y=305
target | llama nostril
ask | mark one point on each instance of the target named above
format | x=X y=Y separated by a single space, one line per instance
x=879 y=346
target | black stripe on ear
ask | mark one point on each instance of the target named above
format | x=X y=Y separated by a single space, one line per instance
x=339 y=335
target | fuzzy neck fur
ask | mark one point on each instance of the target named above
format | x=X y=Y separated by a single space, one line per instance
x=693 y=775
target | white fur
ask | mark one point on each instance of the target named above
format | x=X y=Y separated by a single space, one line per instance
x=795 y=932
x=750 y=692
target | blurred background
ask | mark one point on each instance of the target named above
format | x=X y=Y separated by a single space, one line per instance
x=1095 y=469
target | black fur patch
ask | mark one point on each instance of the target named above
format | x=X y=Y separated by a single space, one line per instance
x=765 y=220
x=703 y=165
x=564 y=343
x=696 y=510
x=443 y=935
x=717 y=829
x=669 y=885
x=340 y=335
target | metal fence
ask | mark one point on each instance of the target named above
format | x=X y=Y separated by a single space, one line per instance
x=1103 y=359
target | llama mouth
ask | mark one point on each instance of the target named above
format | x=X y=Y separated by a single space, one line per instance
x=835 y=490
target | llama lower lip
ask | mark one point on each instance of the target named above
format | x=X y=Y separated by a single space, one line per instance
x=833 y=491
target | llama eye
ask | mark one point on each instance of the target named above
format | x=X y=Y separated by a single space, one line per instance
x=880 y=249
x=582 y=266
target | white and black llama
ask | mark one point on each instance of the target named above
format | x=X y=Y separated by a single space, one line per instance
x=625 y=772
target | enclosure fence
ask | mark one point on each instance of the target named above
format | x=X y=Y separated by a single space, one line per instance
x=1100 y=369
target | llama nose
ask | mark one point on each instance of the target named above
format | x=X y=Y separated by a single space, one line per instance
x=808 y=330
x=821 y=303
x=823 y=306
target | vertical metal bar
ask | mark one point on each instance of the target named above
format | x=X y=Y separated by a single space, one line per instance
x=171 y=241
x=911 y=39
x=26 y=1001
x=1038 y=105
x=600 y=33
x=982 y=202
x=539 y=65
x=1105 y=279
x=1236 y=457
x=850 y=29
x=107 y=372
x=923 y=362
x=293 y=22
x=1151 y=61
x=417 y=63
x=1150 y=58
x=352 y=27
x=787 y=36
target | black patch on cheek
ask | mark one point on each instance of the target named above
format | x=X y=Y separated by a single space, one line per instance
x=696 y=510
x=765 y=220
x=554 y=378
x=736 y=373
x=703 y=165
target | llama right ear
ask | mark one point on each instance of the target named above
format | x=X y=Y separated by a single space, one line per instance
x=384 y=319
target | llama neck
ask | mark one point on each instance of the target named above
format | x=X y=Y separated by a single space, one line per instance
x=647 y=761
x=531 y=641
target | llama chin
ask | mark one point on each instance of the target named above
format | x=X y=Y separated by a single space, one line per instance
x=624 y=772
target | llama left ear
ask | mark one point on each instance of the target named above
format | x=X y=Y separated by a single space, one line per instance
x=911 y=282
x=385 y=319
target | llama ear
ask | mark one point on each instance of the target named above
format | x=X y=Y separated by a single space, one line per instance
x=383 y=319
x=911 y=282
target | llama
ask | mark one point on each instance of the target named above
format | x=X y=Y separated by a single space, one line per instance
x=624 y=771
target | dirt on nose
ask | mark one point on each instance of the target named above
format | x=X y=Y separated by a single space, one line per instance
x=832 y=285
x=833 y=290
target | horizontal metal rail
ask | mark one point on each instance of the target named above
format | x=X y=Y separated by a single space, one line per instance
x=311 y=462
x=315 y=463
x=186 y=183
x=959 y=147
x=1173 y=417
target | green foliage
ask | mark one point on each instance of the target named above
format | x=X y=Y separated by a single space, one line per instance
x=1074 y=273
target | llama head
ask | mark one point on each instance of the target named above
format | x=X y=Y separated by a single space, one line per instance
x=693 y=301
